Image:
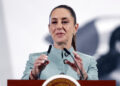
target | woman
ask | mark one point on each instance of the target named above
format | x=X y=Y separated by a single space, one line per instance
x=63 y=28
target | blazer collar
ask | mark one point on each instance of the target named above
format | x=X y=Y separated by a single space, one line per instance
x=59 y=51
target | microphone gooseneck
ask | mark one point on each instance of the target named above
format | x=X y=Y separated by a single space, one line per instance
x=82 y=77
x=48 y=52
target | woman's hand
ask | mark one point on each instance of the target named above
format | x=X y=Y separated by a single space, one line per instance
x=39 y=65
x=79 y=63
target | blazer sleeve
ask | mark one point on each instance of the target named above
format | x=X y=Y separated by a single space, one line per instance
x=92 y=70
x=28 y=68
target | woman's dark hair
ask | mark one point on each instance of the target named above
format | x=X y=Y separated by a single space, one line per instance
x=73 y=15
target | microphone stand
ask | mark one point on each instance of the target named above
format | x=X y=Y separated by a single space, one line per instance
x=82 y=77
x=48 y=52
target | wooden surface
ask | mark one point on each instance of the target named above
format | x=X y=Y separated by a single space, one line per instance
x=40 y=82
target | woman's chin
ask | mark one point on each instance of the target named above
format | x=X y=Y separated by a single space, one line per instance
x=61 y=42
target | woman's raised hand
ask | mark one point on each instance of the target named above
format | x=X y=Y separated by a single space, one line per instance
x=79 y=63
x=39 y=65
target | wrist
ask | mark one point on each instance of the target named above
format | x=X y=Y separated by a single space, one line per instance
x=33 y=76
x=85 y=75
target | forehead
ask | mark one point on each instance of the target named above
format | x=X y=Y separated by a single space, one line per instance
x=61 y=13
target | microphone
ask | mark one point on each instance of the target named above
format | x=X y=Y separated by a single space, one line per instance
x=49 y=49
x=82 y=77
x=48 y=52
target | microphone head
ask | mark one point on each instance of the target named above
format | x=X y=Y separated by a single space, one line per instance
x=49 y=49
x=67 y=51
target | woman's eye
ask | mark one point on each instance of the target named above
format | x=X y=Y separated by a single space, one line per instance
x=54 y=22
x=64 y=22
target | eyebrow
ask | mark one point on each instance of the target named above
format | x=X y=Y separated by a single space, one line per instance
x=64 y=18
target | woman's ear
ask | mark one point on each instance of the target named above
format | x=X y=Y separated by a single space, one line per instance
x=76 y=28
x=49 y=27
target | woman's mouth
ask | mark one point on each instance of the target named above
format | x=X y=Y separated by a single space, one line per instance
x=60 y=34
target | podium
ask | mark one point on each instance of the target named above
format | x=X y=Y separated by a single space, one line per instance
x=82 y=82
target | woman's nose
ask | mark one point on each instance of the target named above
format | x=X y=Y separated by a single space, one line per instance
x=59 y=26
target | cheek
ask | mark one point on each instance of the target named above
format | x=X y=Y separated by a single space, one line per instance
x=69 y=34
x=52 y=30
x=70 y=30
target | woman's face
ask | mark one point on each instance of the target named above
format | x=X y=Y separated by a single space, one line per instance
x=61 y=26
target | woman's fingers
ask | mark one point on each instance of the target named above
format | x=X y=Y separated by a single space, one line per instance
x=76 y=56
x=40 y=63
x=69 y=63
x=43 y=57
x=78 y=61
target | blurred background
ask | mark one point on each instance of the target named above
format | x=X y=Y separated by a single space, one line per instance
x=24 y=30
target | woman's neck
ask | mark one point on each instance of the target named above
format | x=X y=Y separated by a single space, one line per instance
x=62 y=45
